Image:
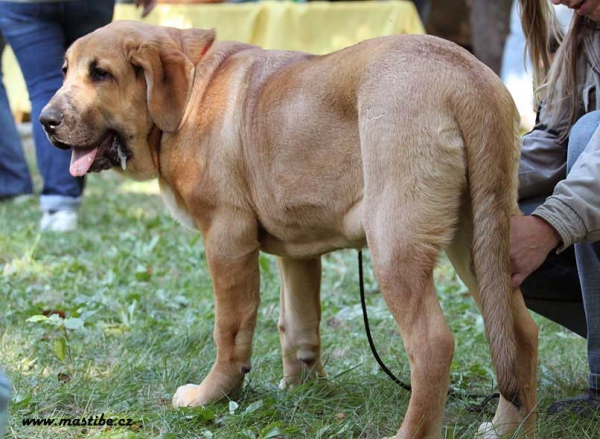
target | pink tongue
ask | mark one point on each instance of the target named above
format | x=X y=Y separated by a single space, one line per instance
x=81 y=161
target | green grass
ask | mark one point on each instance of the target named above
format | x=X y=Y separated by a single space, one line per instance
x=140 y=284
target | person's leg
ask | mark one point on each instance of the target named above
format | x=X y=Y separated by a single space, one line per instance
x=5 y=391
x=553 y=290
x=423 y=7
x=14 y=174
x=588 y=262
x=76 y=19
x=38 y=41
x=576 y=277
x=79 y=18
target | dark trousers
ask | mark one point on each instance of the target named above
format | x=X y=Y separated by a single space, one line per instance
x=39 y=34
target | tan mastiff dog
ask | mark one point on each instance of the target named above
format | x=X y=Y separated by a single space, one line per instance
x=406 y=144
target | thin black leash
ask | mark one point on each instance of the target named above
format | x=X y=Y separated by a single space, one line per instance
x=474 y=408
x=363 y=303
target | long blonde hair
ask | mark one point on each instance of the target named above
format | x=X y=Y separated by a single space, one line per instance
x=555 y=80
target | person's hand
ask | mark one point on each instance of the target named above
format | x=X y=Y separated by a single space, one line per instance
x=147 y=4
x=531 y=239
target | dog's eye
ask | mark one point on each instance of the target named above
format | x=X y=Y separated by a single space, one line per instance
x=64 y=70
x=99 y=74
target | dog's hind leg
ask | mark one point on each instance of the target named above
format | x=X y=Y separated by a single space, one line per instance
x=403 y=261
x=414 y=173
x=300 y=315
x=410 y=205
x=509 y=417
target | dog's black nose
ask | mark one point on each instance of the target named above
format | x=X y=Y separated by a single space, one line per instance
x=51 y=118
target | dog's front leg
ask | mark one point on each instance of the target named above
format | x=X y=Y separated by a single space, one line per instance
x=232 y=255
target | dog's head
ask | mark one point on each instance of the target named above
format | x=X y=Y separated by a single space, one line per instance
x=124 y=84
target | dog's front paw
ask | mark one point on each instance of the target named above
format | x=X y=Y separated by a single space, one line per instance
x=210 y=390
x=188 y=396
x=487 y=431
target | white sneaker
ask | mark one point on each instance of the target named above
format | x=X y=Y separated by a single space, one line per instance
x=59 y=221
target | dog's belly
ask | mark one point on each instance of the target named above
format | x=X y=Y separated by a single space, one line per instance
x=302 y=250
x=295 y=238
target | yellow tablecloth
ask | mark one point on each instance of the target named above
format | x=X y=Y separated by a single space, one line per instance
x=315 y=27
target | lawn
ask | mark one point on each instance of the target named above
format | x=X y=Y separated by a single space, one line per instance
x=128 y=318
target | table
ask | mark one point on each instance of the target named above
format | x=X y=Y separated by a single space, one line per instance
x=315 y=27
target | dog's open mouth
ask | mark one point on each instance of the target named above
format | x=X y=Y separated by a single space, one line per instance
x=109 y=152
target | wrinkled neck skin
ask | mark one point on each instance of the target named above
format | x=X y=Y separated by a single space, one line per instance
x=191 y=163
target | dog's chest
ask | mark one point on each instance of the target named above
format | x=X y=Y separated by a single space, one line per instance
x=176 y=207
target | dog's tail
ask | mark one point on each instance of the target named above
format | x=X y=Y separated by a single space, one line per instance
x=493 y=191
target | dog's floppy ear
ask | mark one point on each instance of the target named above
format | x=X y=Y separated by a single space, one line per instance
x=169 y=62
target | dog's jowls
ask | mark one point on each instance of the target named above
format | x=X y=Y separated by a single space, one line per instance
x=405 y=144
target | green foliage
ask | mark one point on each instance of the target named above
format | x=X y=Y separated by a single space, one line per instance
x=60 y=343
x=114 y=317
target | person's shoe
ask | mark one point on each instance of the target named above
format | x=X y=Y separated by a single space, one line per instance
x=584 y=405
x=59 y=221
x=16 y=199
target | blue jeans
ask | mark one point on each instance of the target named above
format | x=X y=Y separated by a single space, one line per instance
x=566 y=288
x=5 y=390
x=14 y=173
x=39 y=34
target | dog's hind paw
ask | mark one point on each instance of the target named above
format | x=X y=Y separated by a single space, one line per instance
x=288 y=383
x=487 y=431
x=283 y=384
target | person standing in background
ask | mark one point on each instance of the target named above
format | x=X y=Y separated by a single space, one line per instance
x=39 y=32
x=15 y=180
